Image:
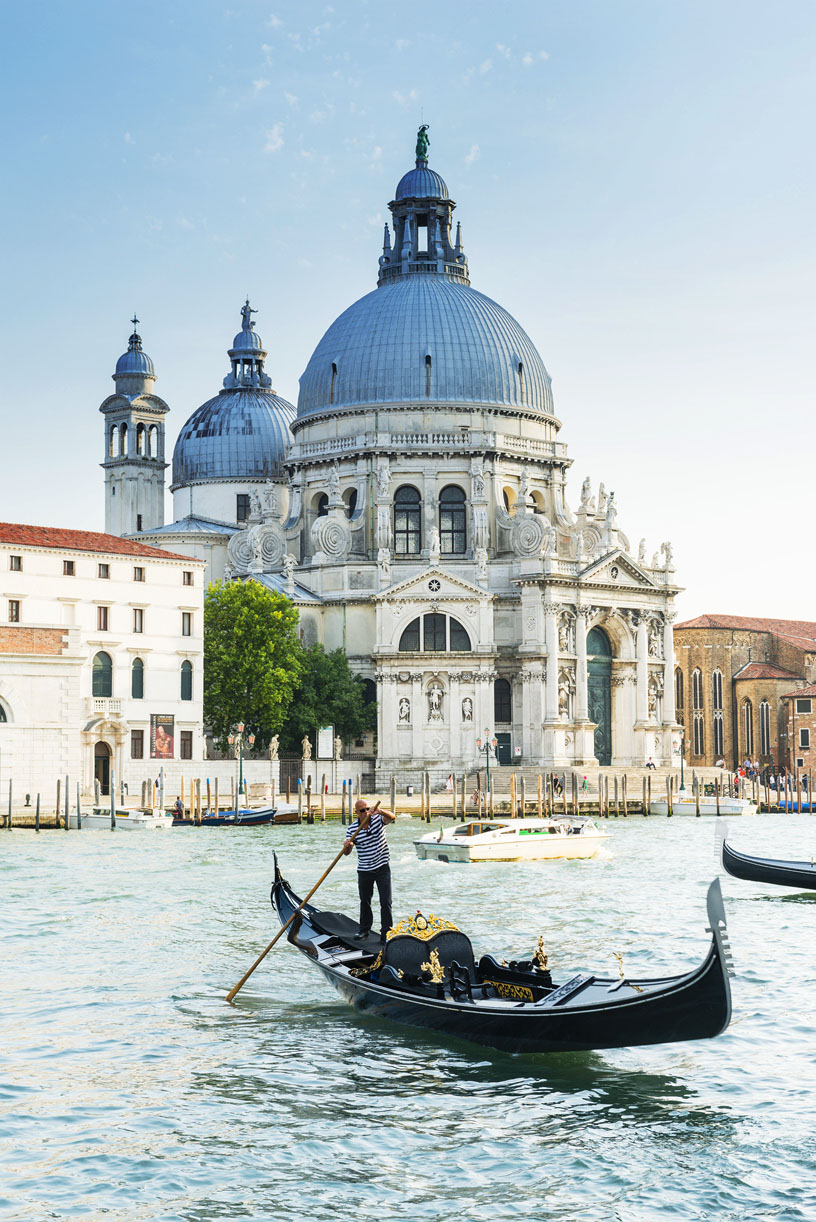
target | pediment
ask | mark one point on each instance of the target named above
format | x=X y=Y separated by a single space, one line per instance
x=618 y=570
x=434 y=584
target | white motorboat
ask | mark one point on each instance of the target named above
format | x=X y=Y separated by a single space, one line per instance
x=686 y=805
x=507 y=839
x=99 y=817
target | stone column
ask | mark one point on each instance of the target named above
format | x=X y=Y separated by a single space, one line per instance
x=532 y=712
x=418 y=719
x=581 y=698
x=551 y=638
x=668 y=666
x=642 y=671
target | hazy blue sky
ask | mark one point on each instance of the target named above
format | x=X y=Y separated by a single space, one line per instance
x=635 y=182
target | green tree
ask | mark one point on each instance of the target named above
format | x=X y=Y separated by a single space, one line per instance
x=252 y=657
x=328 y=693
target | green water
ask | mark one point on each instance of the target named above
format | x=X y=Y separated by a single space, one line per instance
x=129 y=1089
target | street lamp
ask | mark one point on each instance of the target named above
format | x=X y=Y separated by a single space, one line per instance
x=236 y=741
x=486 y=746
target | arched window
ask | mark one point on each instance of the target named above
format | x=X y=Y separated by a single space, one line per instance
x=140 y=438
x=435 y=633
x=153 y=441
x=452 y=534
x=679 y=694
x=697 y=689
x=719 y=736
x=102 y=675
x=322 y=505
x=427 y=377
x=509 y=496
x=351 y=501
x=186 y=680
x=407 y=521
x=112 y=441
x=748 y=728
x=333 y=380
x=502 y=701
x=698 y=734
x=137 y=679
x=369 y=691
x=764 y=728
x=521 y=381
x=2 y=715
x=123 y=440
x=716 y=689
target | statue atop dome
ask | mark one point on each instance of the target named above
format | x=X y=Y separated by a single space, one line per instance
x=246 y=314
x=422 y=145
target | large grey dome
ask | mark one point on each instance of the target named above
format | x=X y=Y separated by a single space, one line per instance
x=240 y=434
x=376 y=351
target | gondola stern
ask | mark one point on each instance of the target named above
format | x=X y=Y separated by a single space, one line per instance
x=718 y=929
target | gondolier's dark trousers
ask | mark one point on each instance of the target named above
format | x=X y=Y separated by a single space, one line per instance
x=366 y=882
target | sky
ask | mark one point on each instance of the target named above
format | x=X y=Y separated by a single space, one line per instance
x=635 y=182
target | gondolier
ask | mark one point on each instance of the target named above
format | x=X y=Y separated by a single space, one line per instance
x=373 y=869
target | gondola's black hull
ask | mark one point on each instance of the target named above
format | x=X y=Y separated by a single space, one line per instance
x=689 y=1007
x=799 y=874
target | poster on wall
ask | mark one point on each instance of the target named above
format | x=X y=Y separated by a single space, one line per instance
x=325 y=743
x=162 y=736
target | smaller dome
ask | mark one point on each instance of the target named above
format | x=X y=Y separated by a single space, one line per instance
x=134 y=360
x=422 y=183
x=247 y=341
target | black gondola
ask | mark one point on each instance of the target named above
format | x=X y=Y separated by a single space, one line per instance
x=515 y=1007
x=801 y=874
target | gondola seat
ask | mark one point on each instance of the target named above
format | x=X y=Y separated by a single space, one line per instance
x=407 y=954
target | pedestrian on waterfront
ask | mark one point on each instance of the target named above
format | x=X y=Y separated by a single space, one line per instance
x=449 y=783
x=178 y=808
x=650 y=762
x=373 y=868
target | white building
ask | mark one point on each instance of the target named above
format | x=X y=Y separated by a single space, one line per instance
x=101 y=656
x=425 y=526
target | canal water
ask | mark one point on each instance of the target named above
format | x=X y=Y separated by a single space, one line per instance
x=130 y=1090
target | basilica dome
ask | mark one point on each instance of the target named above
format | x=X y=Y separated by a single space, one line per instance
x=378 y=351
x=243 y=433
x=424 y=334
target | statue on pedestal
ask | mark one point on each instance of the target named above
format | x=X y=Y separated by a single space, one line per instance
x=307 y=747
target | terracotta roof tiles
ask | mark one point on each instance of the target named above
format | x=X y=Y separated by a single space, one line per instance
x=800 y=691
x=763 y=670
x=798 y=632
x=18 y=535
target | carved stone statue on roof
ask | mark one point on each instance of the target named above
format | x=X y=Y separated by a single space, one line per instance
x=246 y=314
x=422 y=143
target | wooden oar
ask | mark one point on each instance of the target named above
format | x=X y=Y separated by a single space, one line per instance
x=299 y=908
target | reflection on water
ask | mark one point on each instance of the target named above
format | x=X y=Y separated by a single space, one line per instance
x=130 y=1089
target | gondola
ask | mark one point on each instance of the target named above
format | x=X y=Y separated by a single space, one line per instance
x=229 y=818
x=426 y=975
x=801 y=874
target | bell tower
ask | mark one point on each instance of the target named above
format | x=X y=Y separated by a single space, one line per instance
x=134 y=463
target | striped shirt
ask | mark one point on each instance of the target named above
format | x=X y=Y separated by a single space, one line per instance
x=371 y=844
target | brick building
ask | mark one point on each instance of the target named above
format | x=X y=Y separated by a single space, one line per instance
x=800 y=725
x=733 y=677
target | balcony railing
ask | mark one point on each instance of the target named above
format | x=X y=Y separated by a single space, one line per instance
x=105 y=704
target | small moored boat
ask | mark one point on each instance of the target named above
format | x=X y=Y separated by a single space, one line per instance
x=231 y=818
x=708 y=806
x=426 y=975
x=507 y=839
x=99 y=817
x=801 y=874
